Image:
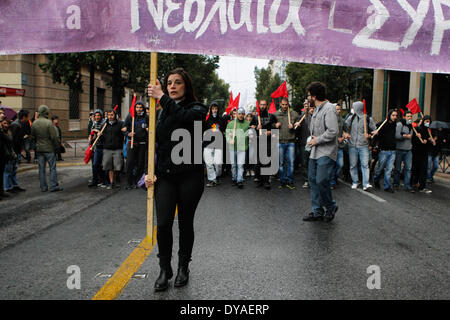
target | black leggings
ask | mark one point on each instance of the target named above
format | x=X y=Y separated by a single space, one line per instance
x=136 y=159
x=419 y=169
x=184 y=190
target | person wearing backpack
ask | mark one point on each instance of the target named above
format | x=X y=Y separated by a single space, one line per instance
x=358 y=143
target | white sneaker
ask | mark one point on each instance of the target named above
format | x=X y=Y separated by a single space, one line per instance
x=354 y=186
x=367 y=187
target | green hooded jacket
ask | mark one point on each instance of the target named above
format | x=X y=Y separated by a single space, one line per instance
x=241 y=138
x=43 y=132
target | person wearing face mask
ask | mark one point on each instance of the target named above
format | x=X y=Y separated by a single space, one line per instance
x=403 y=153
x=358 y=142
x=213 y=153
x=421 y=143
x=387 y=145
x=177 y=184
x=136 y=156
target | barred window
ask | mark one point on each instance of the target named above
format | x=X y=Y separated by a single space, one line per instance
x=101 y=99
x=74 y=104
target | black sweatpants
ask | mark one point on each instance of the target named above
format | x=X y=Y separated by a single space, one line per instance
x=136 y=162
x=184 y=190
x=419 y=169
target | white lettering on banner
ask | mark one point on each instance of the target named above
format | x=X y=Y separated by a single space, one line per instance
x=171 y=6
x=73 y=22
x=220 y=5
x=331 y=21
x=440 y=25
x=260 y=27
x=374 y=23
x=292 y=18
x=192 y=26
x=195 y=17
x=418 y=18
x=245 y=15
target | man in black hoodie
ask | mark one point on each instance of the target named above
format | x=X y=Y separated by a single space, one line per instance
x=421 y=143
x=268 y=122
x=387 y=145
x=136 y=156
x=112 y=140
x=215 y=126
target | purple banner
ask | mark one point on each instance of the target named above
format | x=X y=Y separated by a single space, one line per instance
x=410 y=35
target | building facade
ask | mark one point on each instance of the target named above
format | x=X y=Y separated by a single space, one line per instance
x=72 y=108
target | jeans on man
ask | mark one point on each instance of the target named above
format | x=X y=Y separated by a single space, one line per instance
x=361 y=153
x=213 y=160
x=10 y=175
x=319 y=174
x=287 y=155
x=338 y=167
x=43 y=159
x=237 y=159
x=385 y=159
x=404 y=156
x=433 y=166
x=98 y=174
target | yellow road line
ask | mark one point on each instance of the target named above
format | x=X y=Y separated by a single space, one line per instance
x=114 y=286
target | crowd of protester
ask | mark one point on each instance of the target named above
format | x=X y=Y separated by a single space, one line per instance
x=368 y=154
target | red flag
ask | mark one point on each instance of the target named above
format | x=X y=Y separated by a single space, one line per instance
x=230 y=104
x=403 y=112
x=207 y=117
x=257 y=107
x=115 y=108
x=236 y=101
x=272 y=108
x=281 y=92
x=365 y=111
x=413 y=106
x=132 y=106
x=414 y=124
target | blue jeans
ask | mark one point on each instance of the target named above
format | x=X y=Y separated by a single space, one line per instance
x=385 y=159
x=98 y=175
x=237 y=159
x=361 y=153
x=43 y=159
x=338 y=167
x=319 y=173
x=10 y=174
x=287 y=157
x=433 y=166
x=404 y=156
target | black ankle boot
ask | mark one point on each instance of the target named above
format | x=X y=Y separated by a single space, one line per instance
x=166 y=273
x=182 y=277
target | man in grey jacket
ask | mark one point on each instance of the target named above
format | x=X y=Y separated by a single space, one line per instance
x=359 y=144
x=403 y=135
x=324 y=149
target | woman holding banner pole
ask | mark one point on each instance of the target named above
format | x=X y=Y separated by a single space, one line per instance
x=176 y=185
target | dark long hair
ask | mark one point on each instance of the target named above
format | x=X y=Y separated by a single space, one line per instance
x=188 y=88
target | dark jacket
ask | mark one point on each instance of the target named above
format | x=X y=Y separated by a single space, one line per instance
x=214 y=123
x=6 y=147
x=113 y=137
x=140 y=126
x=17 y=136
x=175 y=116
x=418 y=146
x=268 y=120
x=386 y=136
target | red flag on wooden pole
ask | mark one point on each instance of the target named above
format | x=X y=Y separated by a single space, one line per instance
x=413 y=106
x=281 y=92
x=272 y=108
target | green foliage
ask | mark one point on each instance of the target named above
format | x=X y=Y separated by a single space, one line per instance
x=132 y=70
x=265 y=83
x=340 y=81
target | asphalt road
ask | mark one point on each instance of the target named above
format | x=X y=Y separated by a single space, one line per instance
x=250 y=243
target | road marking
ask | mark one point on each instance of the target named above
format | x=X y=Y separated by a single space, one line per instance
x=114 y=286
x=371 y=195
